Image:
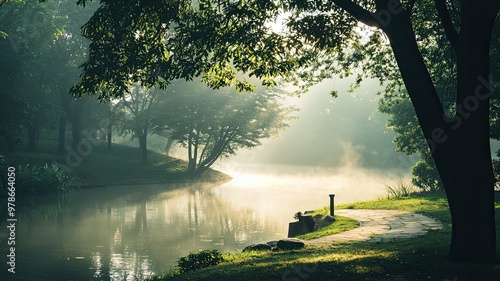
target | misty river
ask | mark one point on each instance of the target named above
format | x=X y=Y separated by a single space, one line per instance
x=122 y=232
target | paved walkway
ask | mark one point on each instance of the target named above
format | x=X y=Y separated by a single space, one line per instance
x=378 y=225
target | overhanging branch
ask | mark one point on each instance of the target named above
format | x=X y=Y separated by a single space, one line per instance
x=358 y=12
x=449 y=28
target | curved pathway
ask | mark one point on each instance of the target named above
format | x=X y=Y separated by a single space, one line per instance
x=378 y=225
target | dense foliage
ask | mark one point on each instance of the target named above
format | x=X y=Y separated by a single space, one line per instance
x=41 y=180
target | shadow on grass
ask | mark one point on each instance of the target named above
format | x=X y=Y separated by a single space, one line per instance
x=361 y=261
x=417 y=259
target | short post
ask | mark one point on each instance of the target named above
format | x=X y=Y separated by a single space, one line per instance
x=332 y=210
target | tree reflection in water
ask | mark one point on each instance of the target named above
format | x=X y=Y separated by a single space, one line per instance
x=118 y=233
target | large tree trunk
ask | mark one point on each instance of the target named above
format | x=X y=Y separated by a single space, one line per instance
x=110 y=134
x=32 y=137
x=465 y=162
x=459 y=145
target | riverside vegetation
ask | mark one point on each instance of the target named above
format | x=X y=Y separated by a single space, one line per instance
x=45 y=172
x=420 y=258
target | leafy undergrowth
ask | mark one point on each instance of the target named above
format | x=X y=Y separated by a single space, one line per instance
x=417 y=259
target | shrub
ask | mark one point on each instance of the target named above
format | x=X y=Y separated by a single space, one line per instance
x=202 y=259
x=426 y=176
x=297 y=215
x=44 y=180
x=400 y=189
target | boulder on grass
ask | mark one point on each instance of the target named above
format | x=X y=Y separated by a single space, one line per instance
x=290 y=244
x=322 y=221
x=303 y=226
x=273 y=243
x=257 y=247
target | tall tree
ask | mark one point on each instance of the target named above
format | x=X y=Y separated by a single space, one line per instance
x=137 y=109
x=397 y=104
x=215 y=123
x=67 y=53
x=154 y=42
x=28 y=32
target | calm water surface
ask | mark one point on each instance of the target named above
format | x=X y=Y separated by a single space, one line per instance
x=119 y=233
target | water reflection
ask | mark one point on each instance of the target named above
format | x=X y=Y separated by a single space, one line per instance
x=119 y=233
x=122 y=233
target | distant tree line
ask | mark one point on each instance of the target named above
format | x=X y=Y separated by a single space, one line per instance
x=42 y=49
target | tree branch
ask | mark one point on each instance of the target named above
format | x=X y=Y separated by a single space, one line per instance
x=449 y=28
x=409 y=7
x=358 y=12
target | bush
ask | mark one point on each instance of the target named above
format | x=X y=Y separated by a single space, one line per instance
x=426 y=176
x=44 y=180
x=199 y=260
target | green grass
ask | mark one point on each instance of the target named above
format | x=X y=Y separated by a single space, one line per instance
x=416 y=259
x=341 y=224
x=119 y=165
x=400 y=188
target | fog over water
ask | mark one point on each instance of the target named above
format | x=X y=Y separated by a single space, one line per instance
x=338 y=146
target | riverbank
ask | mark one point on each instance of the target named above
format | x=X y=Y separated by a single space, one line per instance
x=96 y=165
x=415 y=259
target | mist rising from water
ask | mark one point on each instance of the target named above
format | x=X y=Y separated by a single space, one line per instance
x=283 y=190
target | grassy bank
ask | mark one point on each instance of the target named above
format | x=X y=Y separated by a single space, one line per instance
x=96 y=165
x=420 y=258
x=341 y=224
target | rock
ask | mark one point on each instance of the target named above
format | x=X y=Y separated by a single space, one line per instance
x=329 y=218
x=273 y=243
x=297 y=228
x=322 y=221
x=303 y=226
x=308 y=221
x=290 y=244
x=258 y=247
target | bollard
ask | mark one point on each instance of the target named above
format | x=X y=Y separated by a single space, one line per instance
x=332 y=210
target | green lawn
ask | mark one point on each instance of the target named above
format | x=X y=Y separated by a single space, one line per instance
x=340 y=224
x=102 y=166
x=420 y=258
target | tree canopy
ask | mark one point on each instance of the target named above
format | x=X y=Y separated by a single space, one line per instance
x=155 y=42
x=216 y=123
